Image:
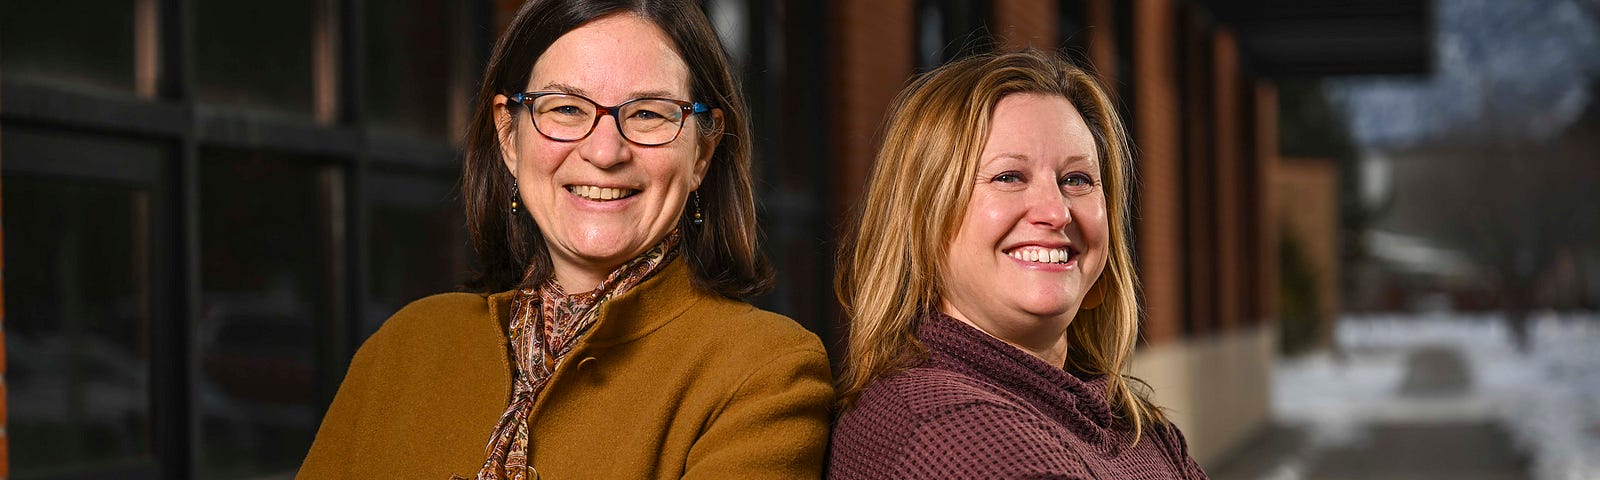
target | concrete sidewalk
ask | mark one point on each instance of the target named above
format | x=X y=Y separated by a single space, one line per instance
x=1427 y=447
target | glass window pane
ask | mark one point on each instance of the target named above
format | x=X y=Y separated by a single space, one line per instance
x=56 y=42
x=408 y=65
x=417 y=242
x=255 y=54
x=268 y=294
x=78 y=309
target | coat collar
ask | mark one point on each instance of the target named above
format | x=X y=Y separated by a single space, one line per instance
x=1077 y=401
x=632 y=315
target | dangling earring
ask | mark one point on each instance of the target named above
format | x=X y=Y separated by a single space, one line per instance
x=698 y=220
x=1094 y=297
x=514 y=197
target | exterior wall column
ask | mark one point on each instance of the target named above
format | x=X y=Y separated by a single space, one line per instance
x=1267 y=227
x=1158 y=134
x=1101 y=18
x=1025 y=23
x=1228 y=153
x=871 y=52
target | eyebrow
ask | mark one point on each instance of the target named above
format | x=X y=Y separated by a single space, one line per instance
x=569 y=89
x=1024 y=157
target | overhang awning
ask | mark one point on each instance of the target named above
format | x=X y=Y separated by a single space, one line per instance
x=1318 y=38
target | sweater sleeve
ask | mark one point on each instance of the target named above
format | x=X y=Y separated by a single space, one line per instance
x=986 y=440
x=775 y=425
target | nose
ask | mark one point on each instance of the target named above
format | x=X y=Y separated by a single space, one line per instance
x=1047 y=206
x=605 y=147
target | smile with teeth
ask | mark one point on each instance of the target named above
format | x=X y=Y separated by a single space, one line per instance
x=601 y=194
x=1042 y=255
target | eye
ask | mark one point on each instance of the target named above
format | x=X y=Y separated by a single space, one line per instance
x=1077 y=179
x=1008 y=177
x=567 y=110
x=648 y=115
x=1077 y=182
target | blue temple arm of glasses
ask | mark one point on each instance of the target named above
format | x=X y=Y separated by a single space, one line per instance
x=701 y=107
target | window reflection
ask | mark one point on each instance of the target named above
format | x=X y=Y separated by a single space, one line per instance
x=77 y=306
x=268 y=235
x=405 y=38
x=255 y=54
x=417 y=242
x=56 y=43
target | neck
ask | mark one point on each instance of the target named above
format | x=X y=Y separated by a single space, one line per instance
x=579 y=278
x=578 y=282
x=1050 y=347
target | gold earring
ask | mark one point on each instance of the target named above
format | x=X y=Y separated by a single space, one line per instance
x=1094 y=297
x=698 y=220
x=514 y=196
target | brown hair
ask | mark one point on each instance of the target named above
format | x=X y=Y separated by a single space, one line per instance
x=724 y=252
x=890 y=269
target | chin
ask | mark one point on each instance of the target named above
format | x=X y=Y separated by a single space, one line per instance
x=606 y=253
x=1052 y=312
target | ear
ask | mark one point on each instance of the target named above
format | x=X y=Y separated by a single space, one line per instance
x=505 y=132
x=1095 y=296
x=708 y=147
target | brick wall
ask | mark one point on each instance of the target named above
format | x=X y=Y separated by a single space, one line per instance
x=871 y=62
x=1267 y=161
x=1100 y=18
x=1228 y=154
x=1309 y=209
x=1025 y=23
x=5 y=437
x=1157 y=133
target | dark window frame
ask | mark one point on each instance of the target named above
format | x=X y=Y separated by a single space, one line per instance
x=168 y=111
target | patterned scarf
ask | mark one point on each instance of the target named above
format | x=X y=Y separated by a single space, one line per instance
x=545 y=324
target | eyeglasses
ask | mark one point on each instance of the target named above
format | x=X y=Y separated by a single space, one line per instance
x=649 y=122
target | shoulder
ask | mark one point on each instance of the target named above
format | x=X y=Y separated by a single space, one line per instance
x=934 y=422
x=442 y=321
x=445 y=304
x=931 y=393
x=731 y=328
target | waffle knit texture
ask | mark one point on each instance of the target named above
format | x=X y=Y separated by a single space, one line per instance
x=980 y=408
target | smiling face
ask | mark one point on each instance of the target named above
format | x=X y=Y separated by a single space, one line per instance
x=1035 y=235
x=602 y=200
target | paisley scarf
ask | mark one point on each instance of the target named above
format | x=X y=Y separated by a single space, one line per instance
x=545 y=324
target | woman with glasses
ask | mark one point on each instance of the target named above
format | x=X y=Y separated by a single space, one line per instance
x=991 y=290
x=608 y=196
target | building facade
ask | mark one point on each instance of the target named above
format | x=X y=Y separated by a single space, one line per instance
x=209 y=205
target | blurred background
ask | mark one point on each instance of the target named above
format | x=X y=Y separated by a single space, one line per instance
x=1366 y=229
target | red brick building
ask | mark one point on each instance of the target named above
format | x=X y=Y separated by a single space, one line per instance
x=209 y=205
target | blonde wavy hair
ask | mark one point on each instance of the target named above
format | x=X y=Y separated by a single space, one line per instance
x=890 y=268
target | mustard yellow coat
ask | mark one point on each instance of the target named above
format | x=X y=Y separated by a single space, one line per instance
x=672 y=382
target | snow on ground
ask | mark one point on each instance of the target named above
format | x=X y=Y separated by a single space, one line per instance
x=1548 y=400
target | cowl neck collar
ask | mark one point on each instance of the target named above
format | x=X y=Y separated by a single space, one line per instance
x=1075 y=400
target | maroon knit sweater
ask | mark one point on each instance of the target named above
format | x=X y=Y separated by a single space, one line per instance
x=981 y=408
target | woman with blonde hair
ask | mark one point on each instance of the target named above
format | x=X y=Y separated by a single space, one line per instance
x=991 y=289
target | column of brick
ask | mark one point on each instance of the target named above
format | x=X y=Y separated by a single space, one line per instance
x=1024 y=23
x=1100 y=17
x=5 y=435
x=1199 y=174
x=1157 y=137
x=871 y=62
x=1229 y=164
x=1267 y=229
